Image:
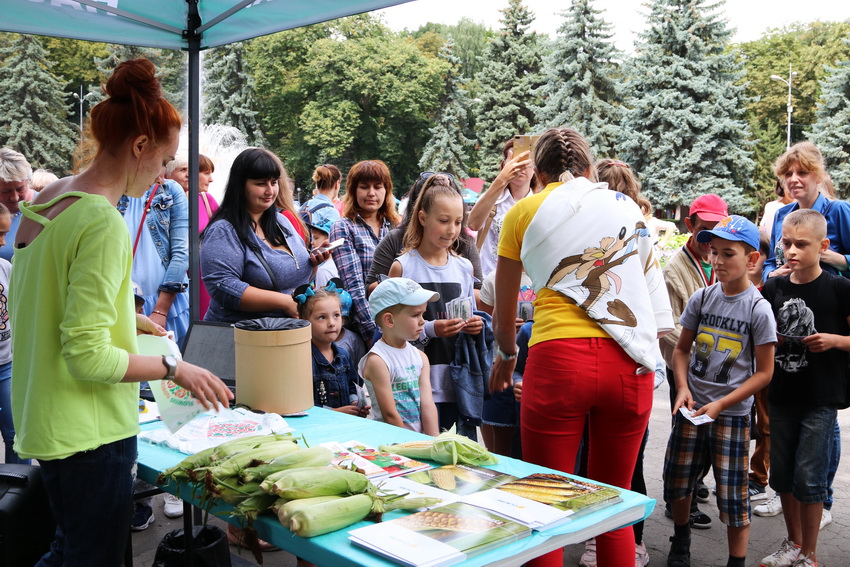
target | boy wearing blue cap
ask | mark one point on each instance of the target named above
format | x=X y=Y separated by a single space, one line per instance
x=724 y=355
x=320 y=224
x=397 y=374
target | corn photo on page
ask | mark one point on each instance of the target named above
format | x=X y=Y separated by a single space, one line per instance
x=461 y=479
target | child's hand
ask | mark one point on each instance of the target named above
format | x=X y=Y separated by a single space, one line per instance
x=712 y=410
x=821 y=342
x=353 y=409
x=683 y=399
x=448 y=327
x=501 y=374
x=518 y=391
x=474 y=325
x=145 y=326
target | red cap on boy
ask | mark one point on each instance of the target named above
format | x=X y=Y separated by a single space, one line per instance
x=709 y=207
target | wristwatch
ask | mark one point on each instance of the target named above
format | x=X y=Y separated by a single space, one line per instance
x=502 y=354
x=171 y=365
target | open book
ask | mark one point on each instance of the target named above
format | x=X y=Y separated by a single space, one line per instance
x=371 y=462
x=542 y=501
x=438 y=537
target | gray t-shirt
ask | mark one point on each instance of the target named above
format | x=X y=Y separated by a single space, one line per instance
x=727 y=331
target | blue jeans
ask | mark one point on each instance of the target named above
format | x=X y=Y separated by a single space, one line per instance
x=7 y=427
x=834 y=459
x=91 y=497
x=800 y=450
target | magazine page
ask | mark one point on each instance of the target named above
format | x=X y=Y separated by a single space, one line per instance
x=461 y=479
x=391 y=463
x=344 y=458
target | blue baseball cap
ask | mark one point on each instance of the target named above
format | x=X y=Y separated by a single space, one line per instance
x=399 y=291
x=733 y=227
x=323 y=219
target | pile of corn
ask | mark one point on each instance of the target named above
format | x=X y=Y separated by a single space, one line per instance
x=272 y=472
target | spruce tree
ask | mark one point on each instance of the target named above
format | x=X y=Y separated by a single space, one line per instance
x=229 y=92
x=685 y=131
x=506 y=85
x=582 y=82
x=447 y=148
x=831 y=131
x=33 y=113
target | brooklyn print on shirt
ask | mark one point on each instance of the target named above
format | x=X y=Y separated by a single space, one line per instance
x=794 y=322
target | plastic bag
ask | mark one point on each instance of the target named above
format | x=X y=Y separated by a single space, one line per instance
x=210 y=549
x=177 y=406
x=271 y=324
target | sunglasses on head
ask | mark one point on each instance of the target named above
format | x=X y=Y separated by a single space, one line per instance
x=427 y=174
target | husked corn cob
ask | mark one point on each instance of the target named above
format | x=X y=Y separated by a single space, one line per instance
x=319 y=481
x=288 y=509
x=433 y=520
x=443 y=478
x=330 y=516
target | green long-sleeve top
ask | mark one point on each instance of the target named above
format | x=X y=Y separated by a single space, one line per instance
x=71 y=304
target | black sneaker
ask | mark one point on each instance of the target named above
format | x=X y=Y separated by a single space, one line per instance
x=680 y=553
x=702 y=493
x=700 y=520
x=142 y=517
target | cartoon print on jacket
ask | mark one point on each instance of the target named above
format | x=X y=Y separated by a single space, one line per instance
x=592 y=269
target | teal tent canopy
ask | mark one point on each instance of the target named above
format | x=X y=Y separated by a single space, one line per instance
x=166 y=23
x=190 y=25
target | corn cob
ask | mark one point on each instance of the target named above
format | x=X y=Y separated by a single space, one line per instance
x=180 y=470
x=443 y=478
x=319 y=481
x=330 y=516
x=229 y=448
x=288 y=509
x=312 y=457
x=466 y=475
x=251 y=457
x=253 y=505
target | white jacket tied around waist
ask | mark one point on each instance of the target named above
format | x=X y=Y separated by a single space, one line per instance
x=591 y=244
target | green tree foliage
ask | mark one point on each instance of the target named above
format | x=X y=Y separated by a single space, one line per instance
x=507 y=85
x=33 y=114
x=831 y=131
x=808 y=48
x=685 y=133
x=448 y=147
x=171 y=69
x=228 y=92
x=470 y=41
x=582 y=79
x=370 y=98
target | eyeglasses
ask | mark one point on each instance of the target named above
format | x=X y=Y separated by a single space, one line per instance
x=426 y=174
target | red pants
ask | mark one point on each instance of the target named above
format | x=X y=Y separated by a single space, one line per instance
x=569 y=381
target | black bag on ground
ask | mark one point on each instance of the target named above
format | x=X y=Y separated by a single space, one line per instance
x=210 y=549
x=26 y=523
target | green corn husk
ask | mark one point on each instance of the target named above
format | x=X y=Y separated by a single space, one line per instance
x=265 y=453
x=320 y=481
x=313 y=457
x=253 y=506
x=447 y=448
x=230 y=448
x=181 y=470
x=288 y=509
x=330 y=516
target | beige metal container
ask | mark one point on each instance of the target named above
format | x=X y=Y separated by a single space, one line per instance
x=274 y=369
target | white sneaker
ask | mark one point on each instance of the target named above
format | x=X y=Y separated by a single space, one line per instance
x=805 y=561
x=825 y=518
x=173 y=506
x=641 y=556
x=785 y=556
x=772 y=507
x=588 y=558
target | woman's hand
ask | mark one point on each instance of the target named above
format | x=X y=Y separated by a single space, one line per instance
x=204 y=385
x=318 y=256
x=783 y=270
x=513 y=167
x=158 y=319
x=834 y=259
x=474 y=325
x=448 y=327
x=146 y=326
x=501 y=374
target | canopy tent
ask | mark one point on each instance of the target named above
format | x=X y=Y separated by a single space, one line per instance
x=191 y=25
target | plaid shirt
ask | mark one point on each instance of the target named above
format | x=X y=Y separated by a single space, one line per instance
x=353 y=259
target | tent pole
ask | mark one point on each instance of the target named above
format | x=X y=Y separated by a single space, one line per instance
x=194 y=43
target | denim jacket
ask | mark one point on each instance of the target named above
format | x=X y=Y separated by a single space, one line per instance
x=333 y=382
x=168 y=223
x=470 y=371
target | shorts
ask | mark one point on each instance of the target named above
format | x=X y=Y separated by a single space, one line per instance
x=501 y=410
x=800 y=445
x=725 y=444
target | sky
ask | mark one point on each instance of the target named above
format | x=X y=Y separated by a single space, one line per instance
x=750 y=18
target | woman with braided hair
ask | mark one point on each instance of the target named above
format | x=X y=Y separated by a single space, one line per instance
x=601 y=303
